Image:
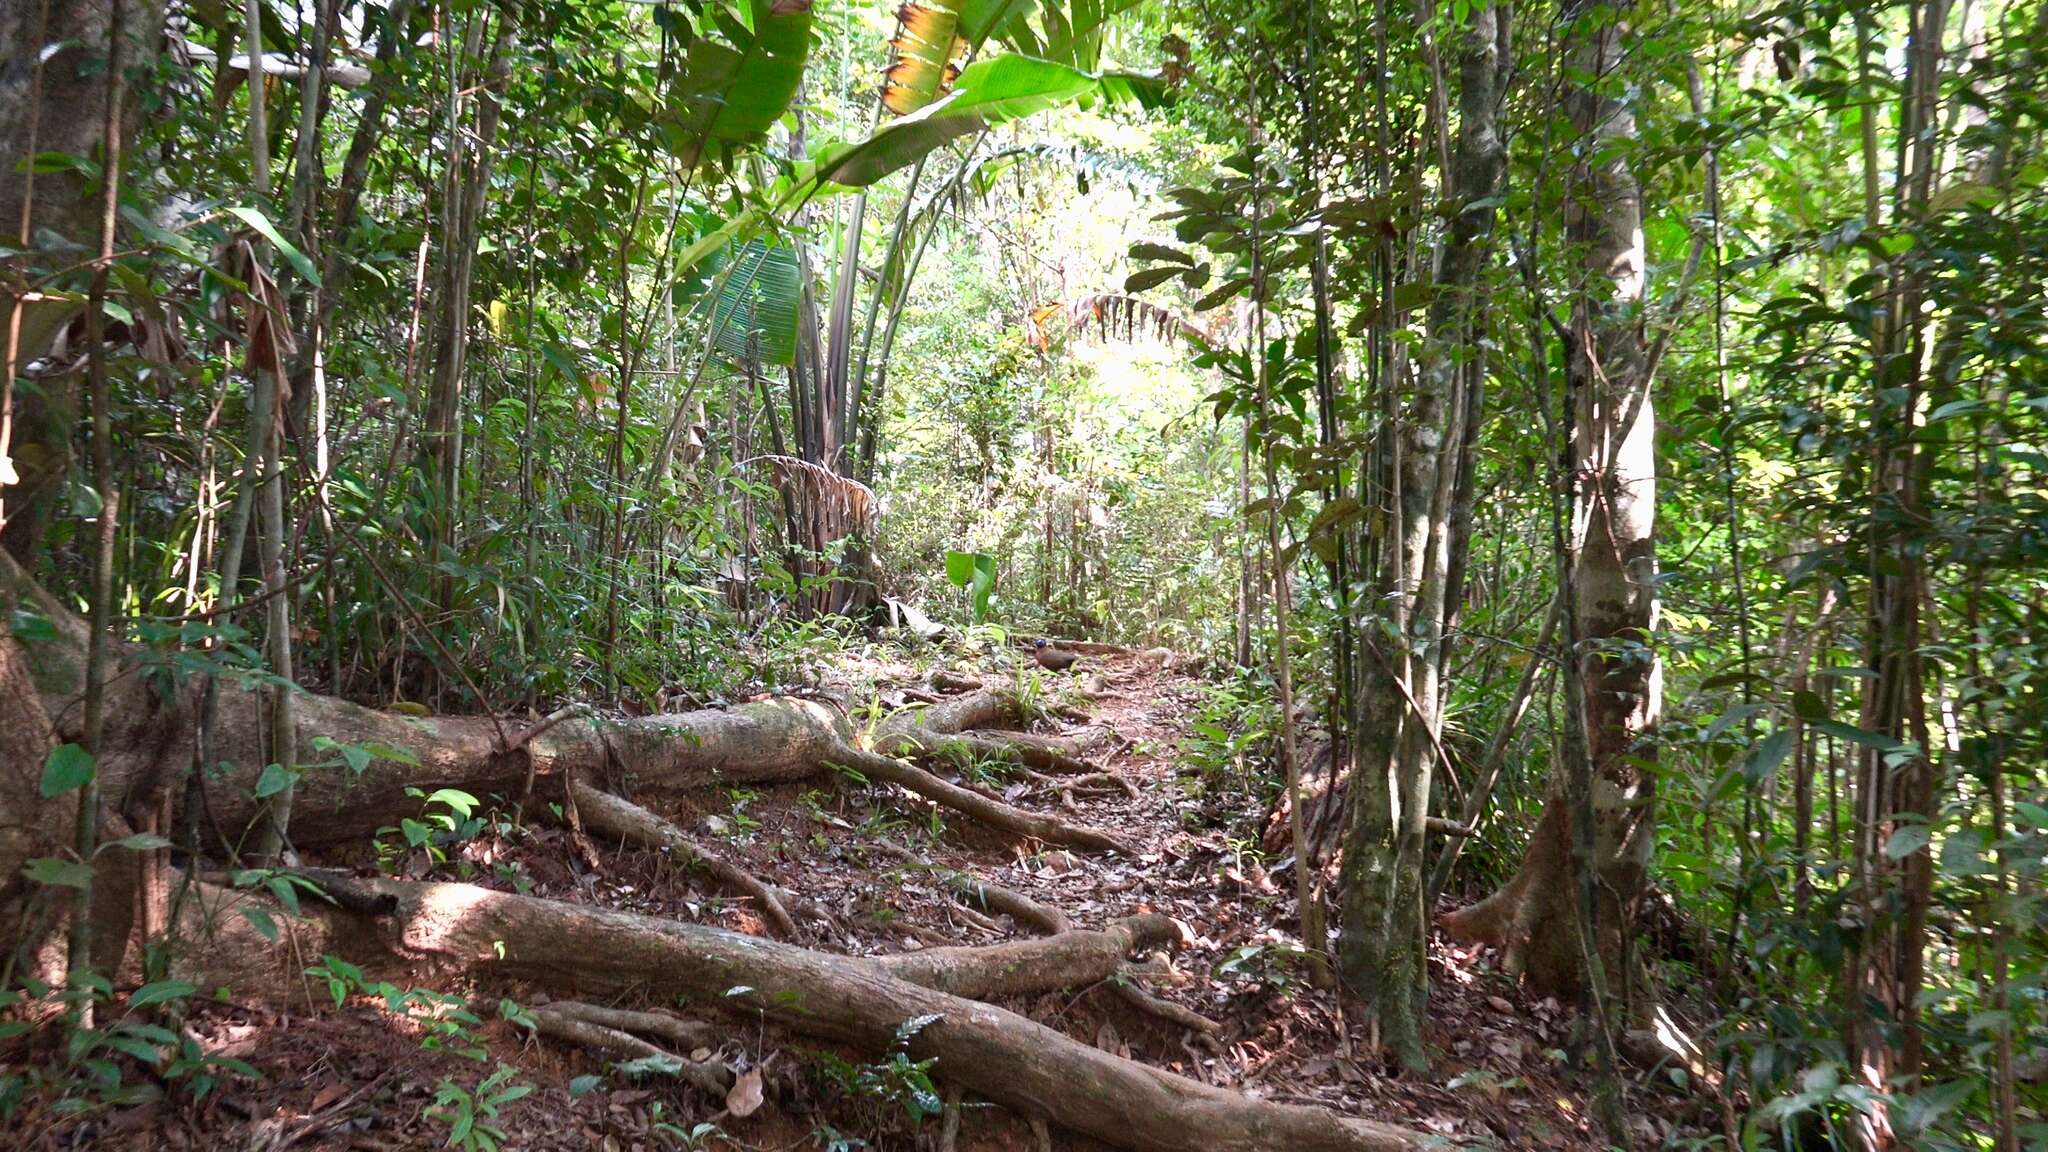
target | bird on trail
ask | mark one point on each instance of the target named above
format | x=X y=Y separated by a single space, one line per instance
x=1050 y=658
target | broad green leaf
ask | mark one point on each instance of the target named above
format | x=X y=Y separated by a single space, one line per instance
x=1147 y=250
x=161 y=991
x=993 y=91
x=297 y=259
x=1906 y=840
x=139 y=842
x=274 y=779
x=1764 y=757
x=727 y=96
x=260 y=920
x=1148 y=278
x=59 y=871
x=462 y=803
x=755 y=313
x=67 y=768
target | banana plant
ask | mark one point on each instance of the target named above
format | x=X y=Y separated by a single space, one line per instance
x=730 y=92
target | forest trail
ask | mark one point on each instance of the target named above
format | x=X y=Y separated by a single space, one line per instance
x=1233 y=1007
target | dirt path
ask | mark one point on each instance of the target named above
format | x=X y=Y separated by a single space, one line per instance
x=1243 y=1015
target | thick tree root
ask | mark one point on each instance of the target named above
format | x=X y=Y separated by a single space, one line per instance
x=980 y=895
x=986 y=809
x=1004 y=1057
x=686 y=1035
x=1022 y=967
x=609 y=815
x=1126 y=987
x=1045 y=753
x=585 y=1028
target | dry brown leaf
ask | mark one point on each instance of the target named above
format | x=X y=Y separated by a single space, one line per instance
x=745 y=1096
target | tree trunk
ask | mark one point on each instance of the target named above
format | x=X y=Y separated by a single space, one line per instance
x=58 y=104
x=1385 y=924
x=1612 y=555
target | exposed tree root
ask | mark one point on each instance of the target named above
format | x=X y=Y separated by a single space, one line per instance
x=1094 y=782
x=979 y=894
x=946 y=680
x=573 y=1027
x=622 y=819
x=1039 y=964
x=686 y=1035
x=1045 y=753
x=987 y=809
x=1531 y=918
x=149 y=743
x=1126 y=987
x=1004 y=1057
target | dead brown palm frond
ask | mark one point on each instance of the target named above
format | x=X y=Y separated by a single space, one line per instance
x=1114 y=316
x=818 y=487
x=266 y=330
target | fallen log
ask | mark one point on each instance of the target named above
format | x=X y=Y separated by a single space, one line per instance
x=1004 y=1057
x=150 y=736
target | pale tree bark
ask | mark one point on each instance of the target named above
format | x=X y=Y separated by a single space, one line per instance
x=465 y=196
x=1384 y=942
x=49 y=104
x=1612 y=561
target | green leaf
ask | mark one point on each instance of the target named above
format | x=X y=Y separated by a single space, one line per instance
x=1861 y=736
x=458 y=801
x=727 y=96
x=1808 y=706
x=975 y=571
x=993 y=91
x=584 y=1085
x=1906 y=840
x=161 y=991
x=57 y=870
x=139 y=842
x=260 y=920
x=281 y=887
x=297 y=259
x=1146 y=250
x=755 y=314
x=1764 y=757
x=67 y=768
x=1149 y=278
x=274 y=779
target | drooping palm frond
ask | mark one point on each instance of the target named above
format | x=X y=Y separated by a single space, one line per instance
x=1114 y=316
x=926 y=45
x=816 y=487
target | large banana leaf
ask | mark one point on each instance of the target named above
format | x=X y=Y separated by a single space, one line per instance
x=1066 y=31
x=992 y=91
x=727 y=95
x=926 y=36
x=754 y=313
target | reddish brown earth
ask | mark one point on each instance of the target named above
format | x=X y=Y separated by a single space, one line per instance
x=358 y=1077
